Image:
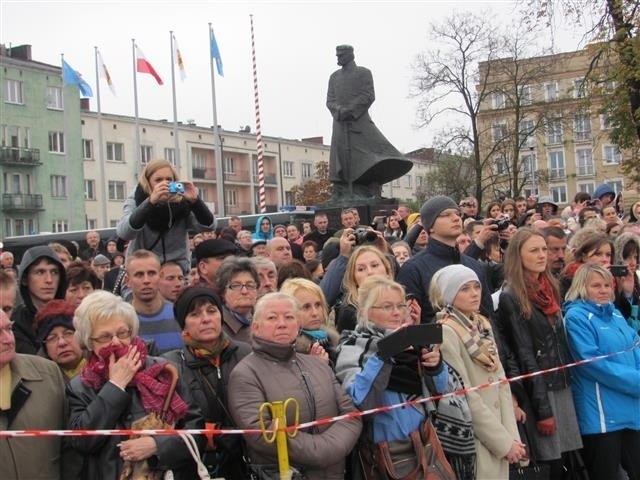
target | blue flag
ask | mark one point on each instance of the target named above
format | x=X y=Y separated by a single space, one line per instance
x=72 y=77
x=215 y=54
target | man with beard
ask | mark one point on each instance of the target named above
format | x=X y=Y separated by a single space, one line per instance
x=157 y=322
x=556 y=248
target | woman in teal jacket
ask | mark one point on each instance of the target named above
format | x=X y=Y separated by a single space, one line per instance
x=264 y=229
x=606 y=392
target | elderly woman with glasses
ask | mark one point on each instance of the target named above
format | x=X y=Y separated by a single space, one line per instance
x=120 y=384
x=237 y=281
x=373 y=380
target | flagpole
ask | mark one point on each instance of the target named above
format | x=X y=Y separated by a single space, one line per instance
x=65 y=138
x=175 y=108
x=260 y=148
x=217 y=144
x=135 y=101
x=103 y=190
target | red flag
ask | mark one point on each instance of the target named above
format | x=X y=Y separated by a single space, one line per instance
x=143 y=66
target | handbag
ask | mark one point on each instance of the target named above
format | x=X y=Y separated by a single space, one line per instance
x=380 y=461
x=203 y=473
x=532 y=470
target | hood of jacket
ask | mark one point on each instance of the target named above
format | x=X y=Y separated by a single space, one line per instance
x=32 y=256
x=258 y=233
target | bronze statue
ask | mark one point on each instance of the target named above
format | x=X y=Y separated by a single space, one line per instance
x=362 y=159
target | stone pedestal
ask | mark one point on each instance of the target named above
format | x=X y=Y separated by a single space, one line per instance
x=367 y=208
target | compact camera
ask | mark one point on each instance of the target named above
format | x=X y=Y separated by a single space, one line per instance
x=176 y=188
x=503 y=223
x=365 y=236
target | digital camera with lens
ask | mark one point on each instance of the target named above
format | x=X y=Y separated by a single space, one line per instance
x=503 y=223
x=176 y=188
x=365 y=236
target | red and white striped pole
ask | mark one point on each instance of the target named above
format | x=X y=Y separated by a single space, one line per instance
x=263 y=196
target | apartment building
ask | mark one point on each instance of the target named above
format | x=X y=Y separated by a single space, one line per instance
x=39 y=147
x=549 y=115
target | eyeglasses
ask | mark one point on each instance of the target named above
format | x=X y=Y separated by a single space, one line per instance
x=449 y=213
x=67 y=335
x=8 y=329
x=390 y=307
x=107 y=337
x=237 y=287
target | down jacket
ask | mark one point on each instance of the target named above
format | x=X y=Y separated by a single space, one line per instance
x=275 y=372
x=606 y=392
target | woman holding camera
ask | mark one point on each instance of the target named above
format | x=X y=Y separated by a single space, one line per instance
x=160 y=212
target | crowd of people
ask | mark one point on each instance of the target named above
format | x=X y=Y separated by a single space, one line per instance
x=201 y=327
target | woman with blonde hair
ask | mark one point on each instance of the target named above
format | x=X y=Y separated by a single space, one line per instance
x=317 y=336
x=159 y=213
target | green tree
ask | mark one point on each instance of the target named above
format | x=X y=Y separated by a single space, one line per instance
x=313 y=192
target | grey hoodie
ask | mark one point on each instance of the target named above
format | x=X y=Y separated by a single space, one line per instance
x=24 y=315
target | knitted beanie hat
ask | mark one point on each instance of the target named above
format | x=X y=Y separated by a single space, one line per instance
x=451 y=278
x=183 y=302
x=434 y=207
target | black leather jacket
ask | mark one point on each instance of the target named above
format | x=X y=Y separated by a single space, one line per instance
x=537 y=345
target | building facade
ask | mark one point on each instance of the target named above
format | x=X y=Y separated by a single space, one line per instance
x=546 y=129
x=40 y=150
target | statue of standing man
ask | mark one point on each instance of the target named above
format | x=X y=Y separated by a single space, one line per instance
x=362 y=159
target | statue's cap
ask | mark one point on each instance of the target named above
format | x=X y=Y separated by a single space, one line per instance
x=341 y=48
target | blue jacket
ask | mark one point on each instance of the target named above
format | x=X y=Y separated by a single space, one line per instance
x=606 y=392
x=258 y=234
x=364 y=375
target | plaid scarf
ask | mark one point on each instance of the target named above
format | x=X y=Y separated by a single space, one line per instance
x=152 y=383
x=475 y=334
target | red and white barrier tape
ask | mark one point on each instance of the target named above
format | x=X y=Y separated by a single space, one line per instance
x=324 y=421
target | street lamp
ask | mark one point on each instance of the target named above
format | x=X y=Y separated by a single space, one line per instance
x=533 y=171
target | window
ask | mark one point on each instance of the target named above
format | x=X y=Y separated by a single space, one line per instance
x=56 y=142
x=146 y=154
x=584 y=160
x=113 y=223
x=199 y=160
x=605 y=122
x=289 y=198
x=581 y=127
x=170 y=155
x=14 y=136
x=501 y=163
x=115 y=152
x=498 y=131
x=19 y=226
x=617 y=185
x=117 y=190
x=13 y=91
x=559 y=194
x=419 y=180
x=396 y=183
x=526 y=134
x=498 y=100
x=89 y=189
x=229 y=165
x=551 y=91
x=204 y=194
x=60 y=226
x=525 y=95
x=554 y=131
x=87 y=149
x=54 y=98
x=556 y=166
x=306 y=170
x=287 y=169
x=407 y=181
x=529 y=165
x=231 y=197
x=16 y=183
x=579 y=88
x=587 y=188
x=611 y=154
x=58 y=186
x=92 y=223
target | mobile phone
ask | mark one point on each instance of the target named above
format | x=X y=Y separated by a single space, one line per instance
x=412 y=336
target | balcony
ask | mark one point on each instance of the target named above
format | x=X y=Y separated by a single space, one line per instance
x=270 y=179
x=20 y=156
x=241 y=176
x=238 y=209
x=21 y=202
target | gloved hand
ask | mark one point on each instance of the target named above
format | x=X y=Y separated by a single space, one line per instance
x=547 y=426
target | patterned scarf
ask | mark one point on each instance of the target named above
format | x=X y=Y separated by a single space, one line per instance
x=210 y=353
x=152 y=383
x=475 y=333
x=542 y=296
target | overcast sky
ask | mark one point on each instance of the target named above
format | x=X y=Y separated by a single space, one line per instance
x=295 y=45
